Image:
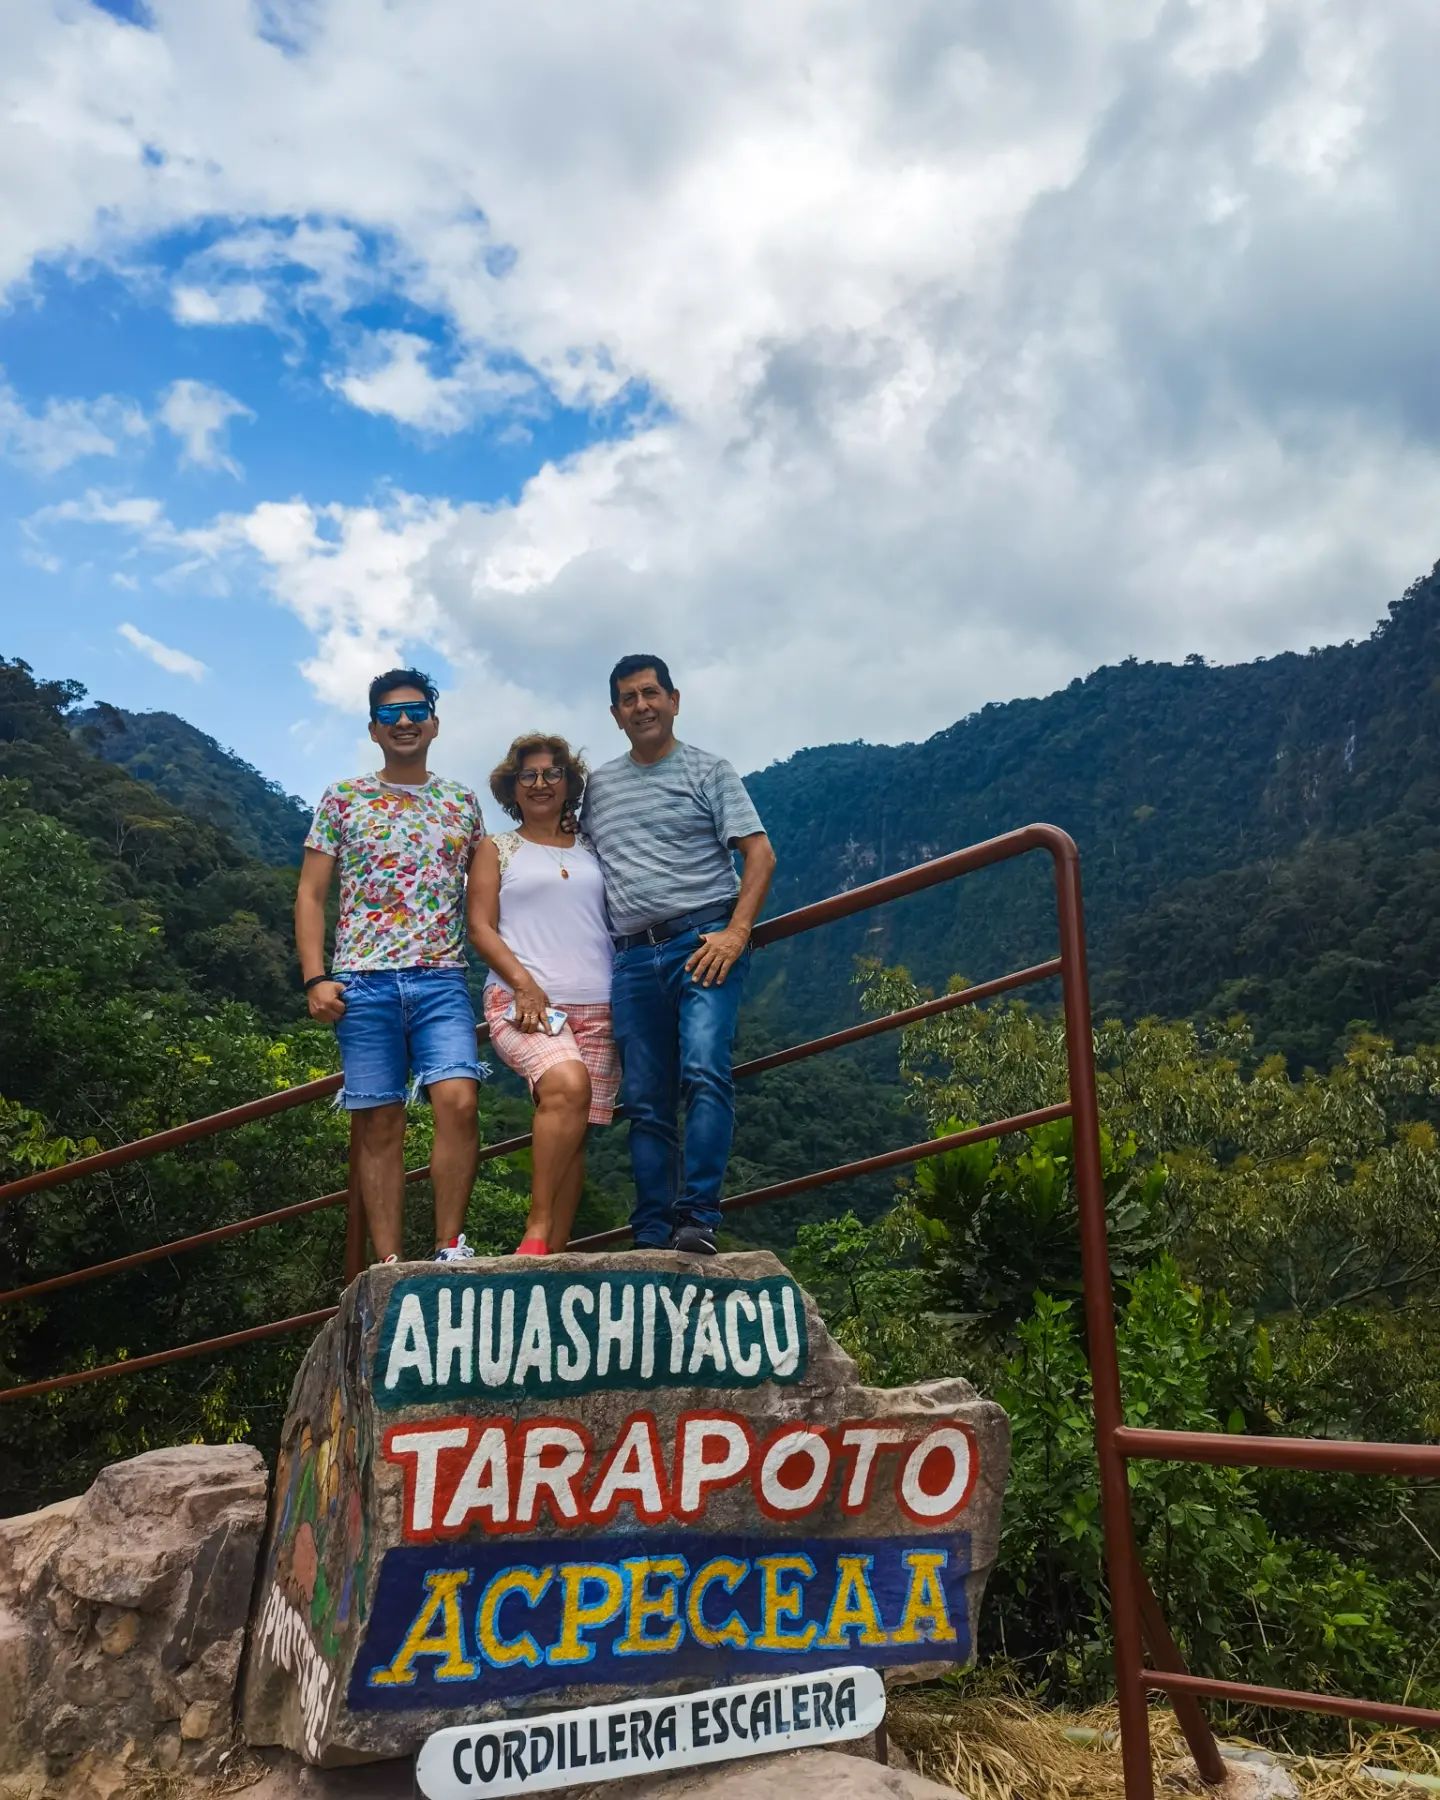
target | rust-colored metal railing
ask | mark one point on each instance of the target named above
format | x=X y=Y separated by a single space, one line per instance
x=1138 y=1620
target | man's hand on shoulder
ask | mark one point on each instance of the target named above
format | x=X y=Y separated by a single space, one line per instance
x=718 y=953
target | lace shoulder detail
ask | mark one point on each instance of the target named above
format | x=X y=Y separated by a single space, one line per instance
x=506 y=844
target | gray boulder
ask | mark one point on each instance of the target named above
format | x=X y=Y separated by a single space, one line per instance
x=122 y=1620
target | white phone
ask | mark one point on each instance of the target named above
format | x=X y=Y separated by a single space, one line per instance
x=554 y=1018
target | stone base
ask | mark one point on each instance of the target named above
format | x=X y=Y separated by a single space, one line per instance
x=1249 y=1775
x=122 y=1619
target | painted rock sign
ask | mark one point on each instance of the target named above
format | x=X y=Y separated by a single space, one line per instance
x=508 y=1491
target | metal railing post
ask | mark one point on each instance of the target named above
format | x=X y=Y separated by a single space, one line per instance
x=354 y=1212
x=1121 y=1556
x=1165 y=1654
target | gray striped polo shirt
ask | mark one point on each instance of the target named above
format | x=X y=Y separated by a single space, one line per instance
x=663 y=832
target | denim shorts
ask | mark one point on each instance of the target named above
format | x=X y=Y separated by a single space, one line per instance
x=399 y=1022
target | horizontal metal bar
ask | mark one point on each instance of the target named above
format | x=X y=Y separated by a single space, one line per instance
x=897 y=1021
x=925 y=875
x=1318 y=1455
x=173 y=1138
x=255 y=1222
x=117 y=1264
x=1244 y=1693
x=177 y=1135
x=915 y=880
x=871 y=1165
x=890 y=1159
x=202 y=1347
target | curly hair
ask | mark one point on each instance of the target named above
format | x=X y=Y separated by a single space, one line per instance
x=504 y=777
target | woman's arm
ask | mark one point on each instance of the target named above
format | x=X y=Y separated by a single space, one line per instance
x=482 y=920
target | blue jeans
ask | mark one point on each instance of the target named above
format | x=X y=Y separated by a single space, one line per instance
x=674 y=1038
x=396 y=1020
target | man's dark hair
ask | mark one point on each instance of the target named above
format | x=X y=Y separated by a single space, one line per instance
x=632 y=665
x=398 y=678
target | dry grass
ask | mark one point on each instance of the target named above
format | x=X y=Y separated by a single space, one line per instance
x=1338 y=1780
x=998 y=1748
x=240 y=1768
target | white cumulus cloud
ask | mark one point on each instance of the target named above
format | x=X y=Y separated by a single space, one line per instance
x=199 y=416
x=393 y=374
x=174 y=662
x=236 y=303
x=51 y=437
x=138 y=513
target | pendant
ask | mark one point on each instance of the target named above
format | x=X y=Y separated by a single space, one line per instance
x=564 y=873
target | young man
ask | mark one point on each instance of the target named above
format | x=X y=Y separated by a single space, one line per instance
x=396 y=991
x=665 y=820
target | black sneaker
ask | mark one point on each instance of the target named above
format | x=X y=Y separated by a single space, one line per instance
x=694 y=1240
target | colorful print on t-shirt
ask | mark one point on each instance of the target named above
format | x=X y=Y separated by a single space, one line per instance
x=403 y=855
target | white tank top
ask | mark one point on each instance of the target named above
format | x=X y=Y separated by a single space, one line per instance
x=555 y=923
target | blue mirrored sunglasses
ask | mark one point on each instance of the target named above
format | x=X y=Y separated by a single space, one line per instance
x=391 y=713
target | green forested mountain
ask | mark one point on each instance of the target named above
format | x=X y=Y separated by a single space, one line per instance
x=215 y=919
x=193 y=772
x=1261 y=836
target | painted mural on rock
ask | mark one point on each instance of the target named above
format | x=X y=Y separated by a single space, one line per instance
x=316 y=1569
x=511 y=1490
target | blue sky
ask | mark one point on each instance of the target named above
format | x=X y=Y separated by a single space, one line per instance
x=78 y=336
x=870 y=362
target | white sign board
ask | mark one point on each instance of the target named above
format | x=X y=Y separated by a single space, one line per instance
x=674 y=1731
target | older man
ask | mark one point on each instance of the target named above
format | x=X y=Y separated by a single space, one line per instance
x=666 y=820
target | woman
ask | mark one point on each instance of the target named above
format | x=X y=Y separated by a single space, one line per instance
x=536 y=913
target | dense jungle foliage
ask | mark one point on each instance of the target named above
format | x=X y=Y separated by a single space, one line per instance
x=1261 y=847
x=1275 y=1244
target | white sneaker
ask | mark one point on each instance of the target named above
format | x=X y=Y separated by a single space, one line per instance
x=457 y=1250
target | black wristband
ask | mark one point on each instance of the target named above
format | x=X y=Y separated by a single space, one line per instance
x=314 y=981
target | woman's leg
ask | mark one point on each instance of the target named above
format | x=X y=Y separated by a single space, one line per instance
x=562 y=1106
x=567 y=1199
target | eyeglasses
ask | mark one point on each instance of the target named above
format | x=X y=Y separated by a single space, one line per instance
x=529 y=777
x=393 y=711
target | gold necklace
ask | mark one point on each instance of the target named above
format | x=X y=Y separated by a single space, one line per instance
x=558 y=851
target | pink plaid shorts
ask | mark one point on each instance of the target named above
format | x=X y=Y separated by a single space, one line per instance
x=585 y=1038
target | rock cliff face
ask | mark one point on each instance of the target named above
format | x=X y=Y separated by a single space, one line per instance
x=511 y=1489
x=122 y=1621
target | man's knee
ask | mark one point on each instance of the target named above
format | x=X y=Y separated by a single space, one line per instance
x=707 y=1075
x=647 y=1098
x=454 y=1105
x=379 y=1127
x=706 y=1054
